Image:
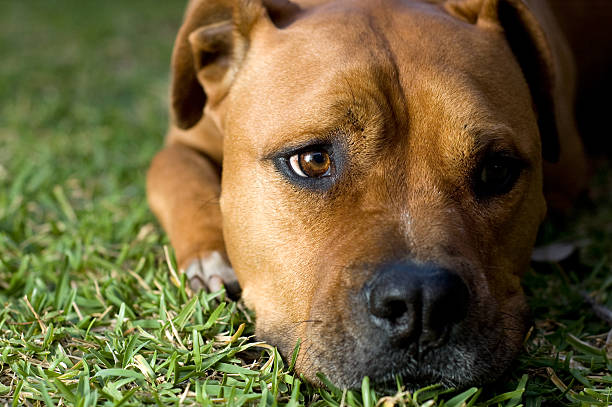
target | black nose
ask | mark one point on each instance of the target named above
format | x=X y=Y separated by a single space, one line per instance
x=416 y=303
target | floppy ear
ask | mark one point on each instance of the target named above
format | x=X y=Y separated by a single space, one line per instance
x=528 y=42
x=208 y=51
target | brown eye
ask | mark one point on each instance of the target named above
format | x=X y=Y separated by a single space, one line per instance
x=311 y=164
x=497 y=175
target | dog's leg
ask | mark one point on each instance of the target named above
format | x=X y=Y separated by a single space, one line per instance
x=183 y=188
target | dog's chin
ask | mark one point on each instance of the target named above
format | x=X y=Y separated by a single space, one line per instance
x=449 y=366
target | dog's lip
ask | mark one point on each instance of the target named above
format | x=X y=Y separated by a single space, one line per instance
x=418 y=374
x=419 y=370
x=459 y=359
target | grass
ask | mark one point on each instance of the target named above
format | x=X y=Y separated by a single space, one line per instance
x=93 y=312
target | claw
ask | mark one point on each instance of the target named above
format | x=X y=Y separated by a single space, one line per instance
x=212 y=272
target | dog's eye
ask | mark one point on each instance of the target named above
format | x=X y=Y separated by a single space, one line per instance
x=496 y=175
x=311 y=164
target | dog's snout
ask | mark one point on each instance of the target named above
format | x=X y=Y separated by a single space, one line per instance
x=416 y=303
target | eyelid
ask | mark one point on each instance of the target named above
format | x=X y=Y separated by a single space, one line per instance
x=496 y=141
x=510 y=156
x=500 y=151
x=288 y=150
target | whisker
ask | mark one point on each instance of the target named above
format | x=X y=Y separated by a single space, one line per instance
x=512 y=329
x=511 y=315
x=314 y=321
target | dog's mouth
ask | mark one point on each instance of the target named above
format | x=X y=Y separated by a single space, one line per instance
x=456 y=361
x=465 y=356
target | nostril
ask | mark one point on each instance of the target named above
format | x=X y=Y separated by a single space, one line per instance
x=446 y=301
x=393 y=310
x=398 y=314
x=394 y=300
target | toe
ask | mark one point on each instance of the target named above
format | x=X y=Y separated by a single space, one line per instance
x=211 y=272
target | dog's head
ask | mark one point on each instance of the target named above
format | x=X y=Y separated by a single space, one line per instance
x=382 y=181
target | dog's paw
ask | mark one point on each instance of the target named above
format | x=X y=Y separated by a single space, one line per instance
x=211 y=272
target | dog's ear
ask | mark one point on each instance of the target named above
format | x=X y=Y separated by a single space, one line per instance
x=209 y=48
x=532 y=51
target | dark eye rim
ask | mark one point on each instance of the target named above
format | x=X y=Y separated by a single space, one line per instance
x=516 y=164
x=282 y=164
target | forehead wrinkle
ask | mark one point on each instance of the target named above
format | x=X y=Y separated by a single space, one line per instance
x=365 y=109
x=389 y=72
x=370 y=70
x=370 y=54
x=349 y=122
x=355 y=109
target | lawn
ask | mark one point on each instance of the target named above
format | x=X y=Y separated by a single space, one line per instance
x=94 y=312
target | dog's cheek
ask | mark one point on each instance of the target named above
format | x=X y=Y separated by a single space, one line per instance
x=508 y=260
x=265 y=242
x=516 y=236
x=292 y=262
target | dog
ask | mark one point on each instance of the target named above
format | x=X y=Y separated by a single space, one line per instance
x=372 y=173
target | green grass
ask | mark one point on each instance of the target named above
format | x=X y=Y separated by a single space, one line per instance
x=92 y=312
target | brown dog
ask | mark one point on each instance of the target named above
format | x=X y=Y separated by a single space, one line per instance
x=373 y=170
